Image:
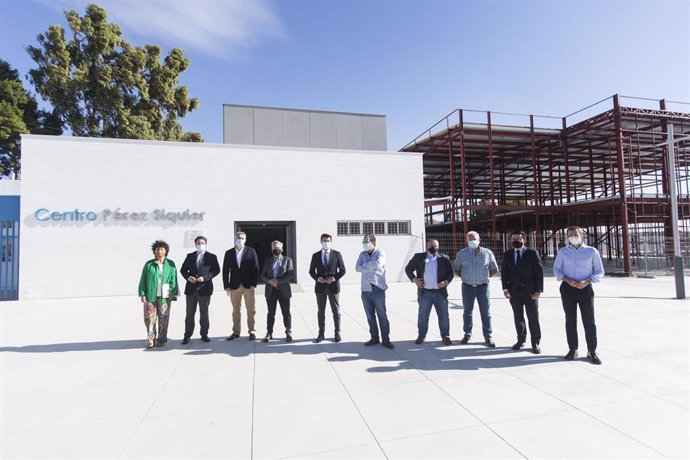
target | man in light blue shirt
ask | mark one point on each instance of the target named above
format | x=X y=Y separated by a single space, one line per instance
x=371 y=263
x=475 y=265
x=579 y=266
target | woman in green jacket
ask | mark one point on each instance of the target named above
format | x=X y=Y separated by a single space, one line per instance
x=157 y=289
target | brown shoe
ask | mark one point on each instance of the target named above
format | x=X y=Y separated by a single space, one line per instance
x=447 y=341
x=419 y=341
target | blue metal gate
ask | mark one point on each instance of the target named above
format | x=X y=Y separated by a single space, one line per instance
x=9 y=260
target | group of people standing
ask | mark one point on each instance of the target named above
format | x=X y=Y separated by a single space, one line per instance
x=578 y=266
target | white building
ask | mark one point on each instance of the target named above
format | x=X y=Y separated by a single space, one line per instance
x=90 y=208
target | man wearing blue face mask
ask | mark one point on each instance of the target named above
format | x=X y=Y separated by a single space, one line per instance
x=327 y=267
x=240 y=277
x=475 y=265
x=372 y=265
x=199 y=269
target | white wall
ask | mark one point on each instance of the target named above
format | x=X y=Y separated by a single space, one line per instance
x=10 y=187
x=313 y=187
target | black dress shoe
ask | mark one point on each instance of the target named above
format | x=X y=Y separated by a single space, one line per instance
x=388 y=344
x=205 y=339
x=535 y=348
x=518 y=345
x=490 y=343
x=371 y=342
x=185 y=341
x=252 y=336
x=319 y=338
x=288 y=337
x=267 y=338
x=337 y=337
x=447 y=341
x=572 y=354
x=419 y=341
x=593 y=358
x=233 y=336
x=465 y=340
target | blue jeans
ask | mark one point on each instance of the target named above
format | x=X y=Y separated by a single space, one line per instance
x=375 y=305
x=426 y=298
x=481 y=293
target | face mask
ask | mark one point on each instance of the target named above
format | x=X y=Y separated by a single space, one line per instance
x=326 y=245
x=432 y=249
x=367 y=246
x=277 y=252
x=239 y=243
x=474 y=244
x=200 y=248
x=517 y=244
x=575 y=240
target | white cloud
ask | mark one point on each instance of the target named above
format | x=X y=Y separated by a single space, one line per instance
x=221 y=28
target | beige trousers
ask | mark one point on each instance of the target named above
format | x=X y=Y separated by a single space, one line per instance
x=249 y=301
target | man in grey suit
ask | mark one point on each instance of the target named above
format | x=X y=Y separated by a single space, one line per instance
x=278 y=273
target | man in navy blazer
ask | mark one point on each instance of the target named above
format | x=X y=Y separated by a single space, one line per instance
x=432 y=272
x=326 y=268
x=278 y=273
x=522 y=277
x=240 y=277
x=199 y=269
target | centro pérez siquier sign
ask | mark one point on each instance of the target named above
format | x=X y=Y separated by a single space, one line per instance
x=116 y=215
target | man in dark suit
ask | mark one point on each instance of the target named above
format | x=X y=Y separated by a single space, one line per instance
x=199 y=269
x=278 y=273
x=327 y=268
x=432 y=272
x=240 y=276
x=522 y=277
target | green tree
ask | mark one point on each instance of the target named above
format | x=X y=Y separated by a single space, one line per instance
x=100 y=85
x=19 y=114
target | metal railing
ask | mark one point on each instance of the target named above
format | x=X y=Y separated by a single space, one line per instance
x=9 y=260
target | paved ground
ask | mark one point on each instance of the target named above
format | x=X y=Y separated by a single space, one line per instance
x=76 y=382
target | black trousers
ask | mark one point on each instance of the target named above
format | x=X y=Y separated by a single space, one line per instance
x=521 y=301
x=277 y=298
x=203 y=301
x=571 y=298
x=335 y=309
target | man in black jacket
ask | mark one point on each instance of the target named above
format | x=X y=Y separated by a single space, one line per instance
x=432 y=272
x=199 y=269
x=327 y=268
x=278 y=273
x=522 y=277
x=240 y=277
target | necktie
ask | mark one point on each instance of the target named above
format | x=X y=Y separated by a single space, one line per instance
x=199 y=258
x=325 y=258
x=518 y=258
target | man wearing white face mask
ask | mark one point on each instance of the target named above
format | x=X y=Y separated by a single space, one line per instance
x=371 y=263
x=240 y=277
x=199 y=269
x=475 y=265
x=578 y=266
x=327 y=267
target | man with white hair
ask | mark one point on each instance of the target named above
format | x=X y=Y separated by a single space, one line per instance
x=475 y=265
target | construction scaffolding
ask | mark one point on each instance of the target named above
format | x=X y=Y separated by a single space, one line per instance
x=604 y=168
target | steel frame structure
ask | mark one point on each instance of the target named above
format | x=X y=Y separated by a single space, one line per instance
x=606 y=173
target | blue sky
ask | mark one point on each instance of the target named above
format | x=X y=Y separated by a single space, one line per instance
x=414 y=61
